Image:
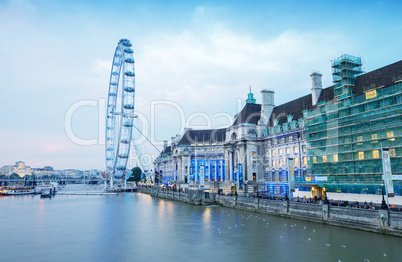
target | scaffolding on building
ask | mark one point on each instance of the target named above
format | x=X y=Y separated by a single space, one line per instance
x=345 y=136
x=344 y=72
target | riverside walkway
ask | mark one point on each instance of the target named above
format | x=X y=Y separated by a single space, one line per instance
x=363 y=216
x=397 y=200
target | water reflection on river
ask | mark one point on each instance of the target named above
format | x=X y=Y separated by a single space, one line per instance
x=137 y=227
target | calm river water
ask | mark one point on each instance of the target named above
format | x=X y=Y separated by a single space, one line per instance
x=136 y=227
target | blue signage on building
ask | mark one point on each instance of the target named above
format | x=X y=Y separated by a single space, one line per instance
x=240 y=167
x=192 y=171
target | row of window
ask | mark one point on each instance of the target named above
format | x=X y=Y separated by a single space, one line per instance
x=212 y=149
x=360 y=155
x=280 y=152
x=287 y=151
x=385 y=118
x=281 y=162
x=390 y=101
x=360 y=139
x=286 y=139
x=390 y=135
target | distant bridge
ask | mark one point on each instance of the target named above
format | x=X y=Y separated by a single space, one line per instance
x=93 y=181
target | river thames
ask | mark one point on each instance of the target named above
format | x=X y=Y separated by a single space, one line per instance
x=128 y=227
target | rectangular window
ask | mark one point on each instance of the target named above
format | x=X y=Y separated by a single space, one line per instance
x=280 y=162
x=390 y=135
x=273 y=162
x=253 y=154
x=296 y=161
x=392 y=152
x=374 y=136
x=304 y=149
x=361 y=155
x=335 y=157
x=359 y=138
x=287 y=161
x=267 y=153
x=254 y=164
x=392 y=100
x=324 y=159
x=295 y=150
x=273 y=152
x=376 y=154
x=304 y=161
x=288 y=150
x=280 y=151
x=348 y=156
x=314 y=159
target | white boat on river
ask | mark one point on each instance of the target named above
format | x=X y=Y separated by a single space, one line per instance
x=17 y=190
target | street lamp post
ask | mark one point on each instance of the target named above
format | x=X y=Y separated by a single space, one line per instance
x=237 y=180
x=383 y=204
x=298 y=141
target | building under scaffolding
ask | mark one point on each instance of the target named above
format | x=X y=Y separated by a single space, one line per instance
x=345 y=135
x=329 y=139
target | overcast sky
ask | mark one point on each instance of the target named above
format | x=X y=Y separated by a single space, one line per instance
x=192 y=59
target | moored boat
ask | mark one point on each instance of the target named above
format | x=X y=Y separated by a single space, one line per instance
x=16 y=190
x=46 y=195
x=47 y=188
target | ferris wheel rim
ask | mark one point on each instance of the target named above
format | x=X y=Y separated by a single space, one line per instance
x=116 y=154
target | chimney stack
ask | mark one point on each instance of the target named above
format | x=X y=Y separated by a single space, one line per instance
x=316 y=89
x=267 y=106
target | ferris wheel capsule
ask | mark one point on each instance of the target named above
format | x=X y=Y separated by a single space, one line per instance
x=118 y=137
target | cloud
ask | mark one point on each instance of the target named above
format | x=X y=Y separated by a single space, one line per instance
x=52 y=58
x=54 y=147
x=101 y=67
x=207 y=70
x=199 y=11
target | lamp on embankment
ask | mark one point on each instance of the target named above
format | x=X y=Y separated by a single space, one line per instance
x=325 y=198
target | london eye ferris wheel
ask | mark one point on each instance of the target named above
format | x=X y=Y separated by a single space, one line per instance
x=120 y=111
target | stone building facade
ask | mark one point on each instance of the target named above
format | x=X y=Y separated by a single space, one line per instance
x=248 y=157
x=267 y=143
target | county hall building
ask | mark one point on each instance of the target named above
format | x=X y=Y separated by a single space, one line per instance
x=329 y=139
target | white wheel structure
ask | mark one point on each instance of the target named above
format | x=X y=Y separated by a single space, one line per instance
x=118 y=137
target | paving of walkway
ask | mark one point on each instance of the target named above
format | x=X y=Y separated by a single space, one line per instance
x=397 y=200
